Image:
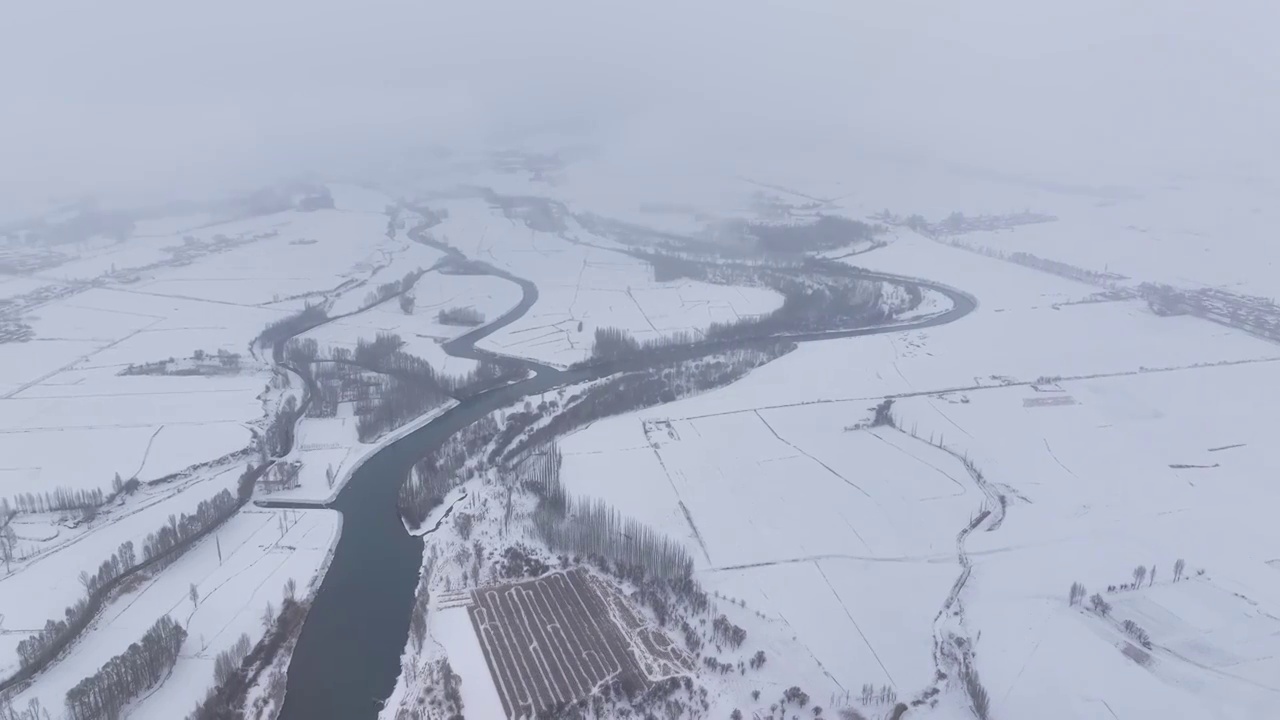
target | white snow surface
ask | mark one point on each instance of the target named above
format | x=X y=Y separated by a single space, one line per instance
x=841 y=542
x=584 y=285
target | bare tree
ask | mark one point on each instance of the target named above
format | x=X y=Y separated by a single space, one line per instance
x=1139 y=573
x=290 y=588
x=8 y=541
x=1077 y=594
x=194 y=594
x=1178 y=567
x=1153 y=576
x=1100 y=606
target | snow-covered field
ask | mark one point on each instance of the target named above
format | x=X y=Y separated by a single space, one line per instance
x=1109 y=437
x=1119 y=438
x=69 y=420
x=584 y=285
x=260 y=550
x=421 y=330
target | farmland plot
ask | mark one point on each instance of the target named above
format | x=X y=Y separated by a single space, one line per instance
x=554 y=640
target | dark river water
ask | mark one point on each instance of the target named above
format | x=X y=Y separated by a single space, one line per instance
x=348 y=654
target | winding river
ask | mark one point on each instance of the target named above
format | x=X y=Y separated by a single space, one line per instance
x=347 y=657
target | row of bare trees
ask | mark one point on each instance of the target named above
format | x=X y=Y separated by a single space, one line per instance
x=283 y=329
x=467 y=316
x=386 y=291
x=659 y=384
x=593 y=527
x=237 y=668
x=160 y=547
x=125 y=676
x=437 y=472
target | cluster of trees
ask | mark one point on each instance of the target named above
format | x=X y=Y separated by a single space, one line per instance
x=795 y=695
x=659 y=384
x=486 y=375
x=439 y=696
x=126 y=675
x=221 y=363
x=283 y=329
x=593 y=527
x=819 y=295
x=181 y=530
x=384 y=355
x=277 y=439
x=239 y=670
x=228 y=661
x=728 y=633
x=163 y=546
x=883 y=695
x=839 y=304
x=613 y=343
x=282 y=476
x=56 y=500
x=421 y=601
x=1132 y=629
x=35 y=710
x=386 y=291
x=85 y=501
x=8 y=542
x=825 y=233
x=979 y=700
x=301 y=352
x=392 y=403
x=436 y=473
x=39 y=647
x=468 y=316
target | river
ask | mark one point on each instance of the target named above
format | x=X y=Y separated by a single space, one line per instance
x=347 y=657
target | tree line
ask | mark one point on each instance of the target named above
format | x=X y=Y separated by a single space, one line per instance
x=827 y=232
x=237 y=668
x=658 y=384
x=386 y=291
x=277 y=438
x=467 y=316
x=162 y=546
x=437 y=472
x=40 y=647
x=86 y=501
x=593 y=527
x=818 y=296
x=126 y=675
x=283 y=329
x=56 y=500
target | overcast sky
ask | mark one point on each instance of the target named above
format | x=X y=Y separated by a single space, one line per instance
x=145 y=96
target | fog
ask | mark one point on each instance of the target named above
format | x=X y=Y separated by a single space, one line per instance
x=142 y=99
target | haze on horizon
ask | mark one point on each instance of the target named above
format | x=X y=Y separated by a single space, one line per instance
x=144 y=99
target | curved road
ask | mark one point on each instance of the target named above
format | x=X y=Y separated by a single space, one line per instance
x=348 y=654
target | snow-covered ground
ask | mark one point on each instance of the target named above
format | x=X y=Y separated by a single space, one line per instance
x=331 y=448
x=841 y=540
x=260 y=551
x=582 y=287
x=452 y=629
x=420 y=329
x=70 y=420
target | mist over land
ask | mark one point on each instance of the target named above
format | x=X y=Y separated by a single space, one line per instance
x=142 y=99
x=870 y=361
